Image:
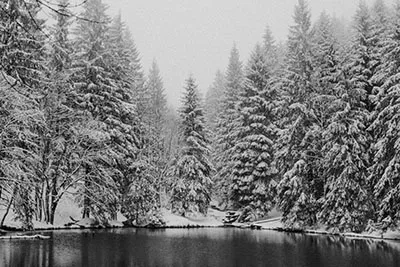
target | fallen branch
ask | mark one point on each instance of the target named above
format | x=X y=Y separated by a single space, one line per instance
x=25 y=237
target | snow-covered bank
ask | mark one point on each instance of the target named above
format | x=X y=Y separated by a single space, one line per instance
x=213 y=219
x=68 y=213
x=66 y=219
x=275 y=224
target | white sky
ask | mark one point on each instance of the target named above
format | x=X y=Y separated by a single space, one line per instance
x=196 y=36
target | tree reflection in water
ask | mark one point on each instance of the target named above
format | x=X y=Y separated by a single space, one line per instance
x=196 y=247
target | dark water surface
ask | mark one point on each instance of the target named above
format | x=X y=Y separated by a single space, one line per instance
x=195 y=247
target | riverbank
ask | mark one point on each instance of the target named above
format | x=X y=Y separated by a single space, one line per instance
x=275 y=224
x=64 y=220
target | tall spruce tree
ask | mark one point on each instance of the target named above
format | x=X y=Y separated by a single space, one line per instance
x=296 y=146
x=23 y=49
x=57 y=137
x=270 y=50
x=226 y=126
x=347 y=202
x=93 y=89
x=23 y=71
x=191 y=183
x=342 y=142
x=358 y=102
x=102 y=77
x=158 y=159
x=362 y=63
x=213 y=100
x=158 y=101
x=327 y=70
x=253 y=182
x=384 y=170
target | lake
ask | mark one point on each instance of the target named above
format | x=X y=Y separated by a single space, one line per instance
x=196 y=247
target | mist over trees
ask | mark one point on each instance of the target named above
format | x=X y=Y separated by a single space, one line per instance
x=314 y=128
x=308 y=126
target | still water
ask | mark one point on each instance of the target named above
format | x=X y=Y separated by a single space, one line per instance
x=195 y=247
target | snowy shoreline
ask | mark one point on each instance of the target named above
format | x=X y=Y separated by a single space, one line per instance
x=173 y=221
x=276 y=225
x=273 y=225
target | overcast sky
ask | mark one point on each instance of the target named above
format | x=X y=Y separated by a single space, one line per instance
x=196 y=36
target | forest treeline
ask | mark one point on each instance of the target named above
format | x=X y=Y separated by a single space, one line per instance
x=309 y=126
x=78 y=115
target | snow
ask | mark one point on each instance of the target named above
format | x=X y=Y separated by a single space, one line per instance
x=270 y=224
x=213 y=219
x=277 y=225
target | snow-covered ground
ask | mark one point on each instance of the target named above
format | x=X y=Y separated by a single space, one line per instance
x=68 y=209
x=213 y=219
x=277 y=225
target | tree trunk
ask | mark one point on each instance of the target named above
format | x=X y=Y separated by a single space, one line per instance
x=53 y=200
x=7 y=210
x=86 y=200
x=52 y=211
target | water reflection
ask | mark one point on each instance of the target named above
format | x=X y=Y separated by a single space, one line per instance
x=195 y=247
x=26 y=253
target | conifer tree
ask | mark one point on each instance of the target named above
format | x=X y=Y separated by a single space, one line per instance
x=158 y=158
x=92 y=88
x=18 y=150
x=226 y=125
x=379 y=28
x=384 y=170
x=347 y=202
x=346 y=205
x=327 y=70
x=57 y=134
x=253 y=182
x=22 y=36
x=158 y=101
x=22 y=67
x=103 y=91
x=296 y=147
x=191 y=183
x=362 y=64
x=271 y=51
x=213 y=100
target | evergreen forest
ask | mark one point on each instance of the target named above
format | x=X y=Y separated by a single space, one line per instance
x=309 y=126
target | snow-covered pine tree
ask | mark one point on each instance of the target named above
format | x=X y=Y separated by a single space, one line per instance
x=347 y=204
x=384 y=172
x=213 y=108
x=338 y=117
x=141 y=96
x=18 y=158
x=158 y=101
x=57 y=135
x=270 y=50
x=127 y=134
x=214 y=96
x=22 y=37
x=327 y=65
x=362 y=64
x=191 y=184
x=101 y=94
x=22 y=68
x=297 y=148
x=158 y=159
x=226 y=126
x=379 y=31
x=327 y=69
x=348 y=200
x=253 y=183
